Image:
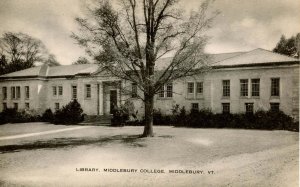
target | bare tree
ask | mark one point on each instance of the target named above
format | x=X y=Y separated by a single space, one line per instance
x=129 y=40
x=22 y=51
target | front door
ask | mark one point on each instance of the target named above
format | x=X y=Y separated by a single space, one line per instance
x=113 y=100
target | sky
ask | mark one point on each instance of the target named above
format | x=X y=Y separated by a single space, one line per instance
x=242 y=25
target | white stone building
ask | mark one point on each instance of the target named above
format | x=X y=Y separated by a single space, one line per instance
x=238 y=82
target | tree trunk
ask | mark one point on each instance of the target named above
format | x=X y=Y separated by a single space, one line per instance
x=149 y=104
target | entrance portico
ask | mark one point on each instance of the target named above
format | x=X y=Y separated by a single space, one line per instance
x=108 y=96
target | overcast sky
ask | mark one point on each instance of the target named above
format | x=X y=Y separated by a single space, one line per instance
x=242 y=25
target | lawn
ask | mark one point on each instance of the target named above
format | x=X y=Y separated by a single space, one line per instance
x=116 y=156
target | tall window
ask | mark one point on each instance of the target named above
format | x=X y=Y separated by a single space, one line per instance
x=249 y=108
x=13 y=92
x=199 y=87
x=18 y=90
x=255 y=87
x=244 y=87
x=190 y=88
x=87 y=91
x=226 y=108
x=274 y=106
x=226 y=88
x=134 y=90
x=169 y=90
x=27 y=92
x=166 y=91
x=161 y=92
x=4 y=92
x=275 y=86
x=54 y=90
x=195 y=106
x=74 y=92
x=60 y=90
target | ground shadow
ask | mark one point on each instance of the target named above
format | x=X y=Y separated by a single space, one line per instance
x=128 y=140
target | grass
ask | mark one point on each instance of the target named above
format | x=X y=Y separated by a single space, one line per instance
x=237 y=157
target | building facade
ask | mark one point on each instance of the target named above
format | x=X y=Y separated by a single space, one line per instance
x=238 y=83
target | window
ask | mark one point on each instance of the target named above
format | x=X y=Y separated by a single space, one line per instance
x=18 y=89
x=133 y=90
x=275 y=86
x=244 y=87
x=226 y=108
x=56 y=106
x=26 y=92
x=274 y=106
x=166 y=91
x=4 y=106
x=13 y=92
x=4 y=92
x=226 y=88
x=255 y=87
x=54 y=90
x=60 y=90
x=249 y=108
x=169 y=90
x=199 y=88
x=16 y=106
x=161 y=92
x=87 y=91
x=190 y=88
x=27 y=105
x=195 y=106
x=74 y=92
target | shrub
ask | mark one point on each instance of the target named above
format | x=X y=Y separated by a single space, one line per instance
x=11 y=115
x=160 y=119
x=179 y=117
x=8 y=115
x=47 y=116
x=273 y=120
x=270 y=120
x=120 y=116
x=69 y=114
x=196 y=118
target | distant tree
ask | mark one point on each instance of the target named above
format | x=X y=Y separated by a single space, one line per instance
x=129 y=39
x=298 y=45
x=21 y=51
x=3 y=64
x=51 y=61
x=288 y=46
x=81 y=60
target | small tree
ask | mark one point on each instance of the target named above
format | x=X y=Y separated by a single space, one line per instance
x=69 y=114
x=129 y=41
x=47 y=116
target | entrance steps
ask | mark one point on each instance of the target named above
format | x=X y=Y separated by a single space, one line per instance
x=97 y=120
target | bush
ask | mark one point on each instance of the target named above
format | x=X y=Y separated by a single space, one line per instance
x=47 y=116
x=8 y=115
x=69 y=114
x=269 y=120
x=120 y=116
x=11 y=115
x=179 y=116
